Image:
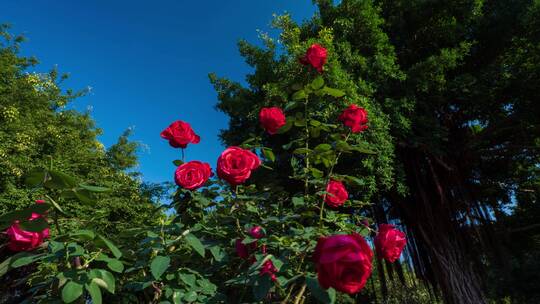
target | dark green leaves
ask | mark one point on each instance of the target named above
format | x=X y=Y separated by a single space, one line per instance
x=71 y=292
x=195 y=243
x=159 y=265
x=115 y=251
x=327 y=296
x=95 y=292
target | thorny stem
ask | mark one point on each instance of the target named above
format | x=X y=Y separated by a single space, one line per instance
x=328 y=180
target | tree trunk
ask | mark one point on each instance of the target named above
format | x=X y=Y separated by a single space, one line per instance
x=437 y=213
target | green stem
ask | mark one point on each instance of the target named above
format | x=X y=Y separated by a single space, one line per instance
x=306 y=116
x=334 y=163
x=183 y=155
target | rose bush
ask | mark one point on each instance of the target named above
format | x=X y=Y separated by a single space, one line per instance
x=237 y=237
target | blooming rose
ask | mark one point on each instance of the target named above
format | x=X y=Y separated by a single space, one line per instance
x=337 y=194
x=355 y=118
x=256 y=232
x=315 y=56
x=235 y=165
x=179 y=134
x=343 y=262
x=192 y=175
x=389 y=242
x=272 y=119
x=269 y=269
x=22 y=240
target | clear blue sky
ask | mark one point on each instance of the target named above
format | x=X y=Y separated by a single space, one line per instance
x=147 y=62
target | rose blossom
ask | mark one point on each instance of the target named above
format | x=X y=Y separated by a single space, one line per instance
x=235 y=165
x=180 y=134
x=272 y=119
x=315 y=56
x=343 y=262
x=389 y=242
x=256 y=232
x=192 y=175
x=22 y=240
x=337 y=194
x=355 y=118
x=269 y=269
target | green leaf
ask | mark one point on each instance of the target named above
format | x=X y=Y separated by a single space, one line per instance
x=177 y=297
x=362 y=150
x=333 y=92
x=115 y=265
x=177 y=162
x=25 y=259
x=159 y=265
x=60 y=180
x=189 y=279
x=95 y=292
x=83 y=234
x=191 y=296
x=114 y=250
x=317 y=83
x=35 y=178
x=84 y=195
x=261 y=287
x=71 y=292
x=299 y=95
x=268 y=154
x=55 y=204
x=322 y=295
x=103 y=278
x=298 y=201
x=36 y=225
x=217 y=253
x=195 y=243
x=301 y=151
x=323 y=148
x=94 y=188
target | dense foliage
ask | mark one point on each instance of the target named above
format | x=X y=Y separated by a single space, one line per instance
x=370 y=119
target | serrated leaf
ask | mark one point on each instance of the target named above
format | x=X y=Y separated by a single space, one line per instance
x=159 y=265
x=195 y=243
x=71 y=292
x=189 y=279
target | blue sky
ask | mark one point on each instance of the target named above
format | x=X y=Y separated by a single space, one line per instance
x=147 y=62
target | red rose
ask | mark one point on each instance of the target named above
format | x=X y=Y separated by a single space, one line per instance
x=389 y=242
x=315 y=56
x=343 y=262
x=192 y=175
x=256 y=232
x=235 y=165
x=22 y=240
x=269 y=269
x=337 y=194
x=180 y=134
x=272 y=119
x=245 y=250
x=355 y=118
